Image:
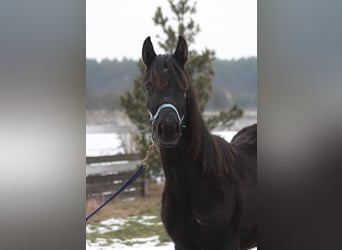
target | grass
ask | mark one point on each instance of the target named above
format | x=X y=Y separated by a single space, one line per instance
x=132 y=221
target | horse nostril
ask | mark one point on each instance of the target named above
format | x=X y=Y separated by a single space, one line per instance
x=160 y=129
x=176 y=127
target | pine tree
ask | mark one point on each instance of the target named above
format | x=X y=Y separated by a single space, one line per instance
x=134 y=103
x=199 y=64
x=200 y=69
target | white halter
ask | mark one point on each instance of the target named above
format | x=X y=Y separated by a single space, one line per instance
x=154 y=117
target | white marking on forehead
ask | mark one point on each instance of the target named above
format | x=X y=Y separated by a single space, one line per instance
x=165 y=69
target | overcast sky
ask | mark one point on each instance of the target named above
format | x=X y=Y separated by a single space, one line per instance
x=117 y=29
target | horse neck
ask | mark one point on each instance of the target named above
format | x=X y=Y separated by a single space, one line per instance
x=191 y=141
x=199 y=148
x=196 y=131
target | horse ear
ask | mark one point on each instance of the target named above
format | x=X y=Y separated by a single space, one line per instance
x=181 y=53
x=148 y=53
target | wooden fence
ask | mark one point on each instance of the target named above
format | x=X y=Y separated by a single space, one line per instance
x=102 y=184
x=112 y=158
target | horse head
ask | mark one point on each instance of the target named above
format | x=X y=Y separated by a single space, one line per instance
x=166 y=84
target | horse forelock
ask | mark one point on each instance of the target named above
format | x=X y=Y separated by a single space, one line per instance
x=163 y=67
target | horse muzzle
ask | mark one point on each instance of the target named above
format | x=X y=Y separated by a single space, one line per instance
x=166 y=125
x=168 y=129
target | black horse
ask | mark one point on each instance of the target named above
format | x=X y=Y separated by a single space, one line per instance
x=210 y=196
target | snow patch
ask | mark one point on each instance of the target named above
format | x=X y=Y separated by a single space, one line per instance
x=98 y=144
x=114 y=221
x=227 y=135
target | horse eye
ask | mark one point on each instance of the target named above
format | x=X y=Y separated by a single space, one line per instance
x=148 y=89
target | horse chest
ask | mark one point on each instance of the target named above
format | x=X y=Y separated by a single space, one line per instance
x=193 y=215
x=191 y=199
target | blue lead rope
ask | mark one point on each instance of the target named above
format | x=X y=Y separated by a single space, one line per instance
x=132 y=179
x=137 y=173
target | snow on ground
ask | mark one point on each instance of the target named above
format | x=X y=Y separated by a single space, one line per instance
x=113 y=224
x=110 y=143
x=146 y=246
x=227 y=135
x=103 y=144
x=167 y=247
x=148 y=243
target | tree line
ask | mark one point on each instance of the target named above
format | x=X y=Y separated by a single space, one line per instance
x=234 y=82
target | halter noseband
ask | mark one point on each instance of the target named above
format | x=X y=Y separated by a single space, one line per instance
x=154 y=117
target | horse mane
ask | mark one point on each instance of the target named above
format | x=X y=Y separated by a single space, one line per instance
x=214 y=153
